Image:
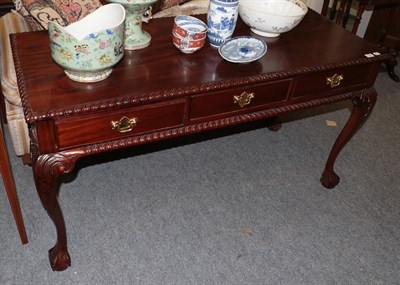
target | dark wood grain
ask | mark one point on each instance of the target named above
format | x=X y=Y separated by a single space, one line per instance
x=9 y=185
x=148 y=75
x=173 y=94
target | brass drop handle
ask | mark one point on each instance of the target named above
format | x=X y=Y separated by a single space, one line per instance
x=243 y=99
x=335 y=80
x=124 y=124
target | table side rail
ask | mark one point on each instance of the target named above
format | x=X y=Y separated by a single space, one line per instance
x=196 y=111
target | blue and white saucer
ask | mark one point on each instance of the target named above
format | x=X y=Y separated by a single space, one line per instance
x=242 y=49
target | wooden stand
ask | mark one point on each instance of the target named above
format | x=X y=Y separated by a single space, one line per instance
x=383 y=28
x=384 y=31
x=9 y=185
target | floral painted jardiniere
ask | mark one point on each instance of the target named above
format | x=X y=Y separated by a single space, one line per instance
x=89 y=48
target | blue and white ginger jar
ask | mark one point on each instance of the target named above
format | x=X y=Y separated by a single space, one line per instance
x=221 y=20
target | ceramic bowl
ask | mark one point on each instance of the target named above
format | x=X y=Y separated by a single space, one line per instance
x=187 y=45
x=270 y=18
x=188 y=26
x=88 y=49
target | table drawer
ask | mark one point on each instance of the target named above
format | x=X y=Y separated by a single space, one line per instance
x=238 y=100
x=332 y=80
x=93 y=128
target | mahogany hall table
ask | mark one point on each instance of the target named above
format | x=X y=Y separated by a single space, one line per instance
x=159 y=93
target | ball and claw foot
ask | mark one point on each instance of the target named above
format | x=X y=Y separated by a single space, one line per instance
x=329 y=179
x=59 y=259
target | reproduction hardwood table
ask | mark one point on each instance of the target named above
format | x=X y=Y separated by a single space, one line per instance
x=159 y=93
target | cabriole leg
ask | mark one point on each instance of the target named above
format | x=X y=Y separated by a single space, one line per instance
x=363 y=103
x=46 y=170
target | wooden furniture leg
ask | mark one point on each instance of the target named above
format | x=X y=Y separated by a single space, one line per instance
x=325 y=7
x=9 y=185
x=341 y=12
x=332 y=14
x=346 y=13
x=363 y=103
x=390 y=65
x=3 y=107
x=360 y=12
x=46 y=170
x=26 y=159
x=273 y=123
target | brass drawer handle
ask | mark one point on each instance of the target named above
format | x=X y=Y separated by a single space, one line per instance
x=243 y=99
x=124 y=124
x=335 y=80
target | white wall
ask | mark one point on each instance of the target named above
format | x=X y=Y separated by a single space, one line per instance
x=366 y=16
x=314 y=4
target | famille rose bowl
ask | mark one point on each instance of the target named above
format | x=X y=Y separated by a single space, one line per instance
x=188 y=26
x=188 y=33
x=88 y=49
x=270 y=18
x=187 y=45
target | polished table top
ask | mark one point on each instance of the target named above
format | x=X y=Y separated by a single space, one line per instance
x=161 y=70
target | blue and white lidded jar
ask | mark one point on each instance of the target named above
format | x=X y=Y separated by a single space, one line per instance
x=221 y=20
